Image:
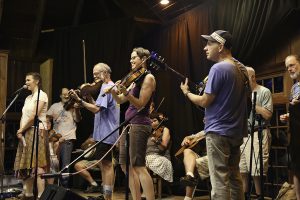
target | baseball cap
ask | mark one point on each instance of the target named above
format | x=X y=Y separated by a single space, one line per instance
x=220 y=36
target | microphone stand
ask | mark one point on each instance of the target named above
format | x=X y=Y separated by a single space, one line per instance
x=261 y=171
x=60 y=174
x=251 y=147
x=2 y=143
x=36 y=142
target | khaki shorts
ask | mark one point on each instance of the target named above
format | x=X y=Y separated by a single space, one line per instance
x=245 y=154
x=87 y=163
x=202 y=167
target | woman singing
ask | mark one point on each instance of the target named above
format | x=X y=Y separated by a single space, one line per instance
x=23 y=166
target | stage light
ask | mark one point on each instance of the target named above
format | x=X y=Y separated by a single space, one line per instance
x=164 y=2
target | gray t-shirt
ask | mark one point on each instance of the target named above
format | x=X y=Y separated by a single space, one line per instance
x=63 y=121
x=263 y=99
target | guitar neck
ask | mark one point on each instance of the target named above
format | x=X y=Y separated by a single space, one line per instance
x=181 y=76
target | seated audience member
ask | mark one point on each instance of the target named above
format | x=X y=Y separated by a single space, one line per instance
x=93 y=185
x=192 y=162
x=158 y=157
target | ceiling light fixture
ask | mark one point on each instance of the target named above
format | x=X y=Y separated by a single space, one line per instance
x=164 y=2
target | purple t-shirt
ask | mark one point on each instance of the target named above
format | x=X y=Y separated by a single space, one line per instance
x=108 y=118
x=143 y=116
x=227 y=114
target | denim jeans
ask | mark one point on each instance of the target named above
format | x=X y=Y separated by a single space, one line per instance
x=65 y=153
x=223 y=161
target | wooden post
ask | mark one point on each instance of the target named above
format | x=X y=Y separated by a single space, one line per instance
x=3 y=94
x=46 y=69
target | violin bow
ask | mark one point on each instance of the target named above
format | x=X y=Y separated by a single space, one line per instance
x=84 y=61
x=160 y=104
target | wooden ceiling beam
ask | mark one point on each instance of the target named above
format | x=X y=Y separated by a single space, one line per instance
x=1 y=9
x=146 y=20
x=37 y=25
x=78 y=11
x=153 y=10
x=104 y=8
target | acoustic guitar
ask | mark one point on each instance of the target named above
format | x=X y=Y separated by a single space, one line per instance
x=193 y=142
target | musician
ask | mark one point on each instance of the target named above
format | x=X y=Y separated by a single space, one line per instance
x=264 y=110
x=107 y=114
x=83 y=164
x=64 y=122
x=292 y=64
x=158 y=158
x=225 y=103
x=23 y=166
x=192 y=161
x=52 y=145
x=139 y=96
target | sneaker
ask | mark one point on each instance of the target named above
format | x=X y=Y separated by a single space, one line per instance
x=27 y=198
x=101 y=197
x=188 y=181
x=93 y=189
x=20 y=195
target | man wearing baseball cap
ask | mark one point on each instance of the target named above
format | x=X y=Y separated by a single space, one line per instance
x=225 y=103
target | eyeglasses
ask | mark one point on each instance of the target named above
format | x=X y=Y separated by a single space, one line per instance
x=134 y=57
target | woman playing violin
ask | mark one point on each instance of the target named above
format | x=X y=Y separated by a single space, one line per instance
x=158 y=157
x=139 y=95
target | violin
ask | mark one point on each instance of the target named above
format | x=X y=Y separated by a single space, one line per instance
x=85 y=90
x=54 y=136
x=133 y=76
x=158 y=131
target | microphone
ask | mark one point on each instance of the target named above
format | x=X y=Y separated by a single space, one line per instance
x=20 y=89
x=54 y=175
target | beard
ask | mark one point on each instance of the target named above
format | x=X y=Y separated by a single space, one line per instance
x=295 y=75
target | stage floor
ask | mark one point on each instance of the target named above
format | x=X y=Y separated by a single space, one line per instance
x=120 y=195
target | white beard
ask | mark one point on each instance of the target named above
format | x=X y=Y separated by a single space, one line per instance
x=295 y=75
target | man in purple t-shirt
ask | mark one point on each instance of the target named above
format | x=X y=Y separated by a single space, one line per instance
x=225 y=103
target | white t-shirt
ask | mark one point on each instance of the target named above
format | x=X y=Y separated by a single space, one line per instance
x=63 y=120
x=29 y=109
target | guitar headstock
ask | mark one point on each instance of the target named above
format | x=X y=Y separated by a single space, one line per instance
x=156 y=61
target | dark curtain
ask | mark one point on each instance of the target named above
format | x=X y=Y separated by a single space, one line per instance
x=253 y=24
x=110 y=42
x=180 y=44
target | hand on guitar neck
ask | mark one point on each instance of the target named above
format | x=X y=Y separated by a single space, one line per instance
x=190 y=141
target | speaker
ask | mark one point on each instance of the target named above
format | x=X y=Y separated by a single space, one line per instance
x=54 y=192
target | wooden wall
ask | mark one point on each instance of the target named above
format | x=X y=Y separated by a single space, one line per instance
x=274 y=59
x=273 y=64
x=3 y=92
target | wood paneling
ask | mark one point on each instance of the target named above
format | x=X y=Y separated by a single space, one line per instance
x=46 y=69
x=3 y=94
